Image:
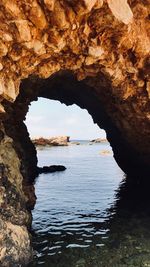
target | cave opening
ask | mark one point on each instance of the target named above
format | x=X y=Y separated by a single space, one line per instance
x=64 y=87
x=48 y=118
x=19 y=156
x=71 y=207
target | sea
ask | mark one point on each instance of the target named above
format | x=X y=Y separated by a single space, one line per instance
x=91 y=214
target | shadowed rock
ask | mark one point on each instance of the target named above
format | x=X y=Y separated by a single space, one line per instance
x=50 y=169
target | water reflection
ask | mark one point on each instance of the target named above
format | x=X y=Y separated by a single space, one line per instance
x=119 y=238
x=80 y=220
x=129 y=239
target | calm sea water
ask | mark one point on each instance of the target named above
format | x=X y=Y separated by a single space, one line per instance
x=89 y=215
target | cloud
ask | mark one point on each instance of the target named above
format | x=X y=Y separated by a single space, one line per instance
x=50 y=118
x=34 y=119
x=71 y=121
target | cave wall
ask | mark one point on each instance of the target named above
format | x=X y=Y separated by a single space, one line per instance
x=86 y=37
x=18 y=155
x=121 y=120
x=15 y=219
x=105 y=43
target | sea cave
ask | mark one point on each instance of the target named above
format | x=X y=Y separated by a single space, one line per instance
x=94 y=54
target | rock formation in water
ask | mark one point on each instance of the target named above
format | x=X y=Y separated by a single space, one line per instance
x=93 y=53
x=99 y=140
x=52 y=141
x=51 y=169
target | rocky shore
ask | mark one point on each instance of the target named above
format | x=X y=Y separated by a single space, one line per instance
x=63 y=141
x=52 y=141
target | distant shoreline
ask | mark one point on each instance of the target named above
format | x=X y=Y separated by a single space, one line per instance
x=64 y=141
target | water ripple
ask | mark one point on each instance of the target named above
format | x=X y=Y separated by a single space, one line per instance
x=71 y=212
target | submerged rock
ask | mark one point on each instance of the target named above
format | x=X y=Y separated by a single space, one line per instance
x=75 y=143
x=105 y=152
x=52 y=168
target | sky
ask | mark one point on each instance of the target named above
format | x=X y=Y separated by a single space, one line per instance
x=48 y=118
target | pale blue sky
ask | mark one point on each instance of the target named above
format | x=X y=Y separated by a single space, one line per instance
x=51 y=118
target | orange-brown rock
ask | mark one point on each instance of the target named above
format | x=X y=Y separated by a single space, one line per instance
x=52 y=141
x=86 y=37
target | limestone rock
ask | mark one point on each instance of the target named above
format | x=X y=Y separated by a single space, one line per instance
x=52 y=141
x=40 y=39
x=50 y=4
x=121 y=10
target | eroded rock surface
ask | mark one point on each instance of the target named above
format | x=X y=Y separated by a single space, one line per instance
x=104 y=44
x=15 y=245
x=87 y=37
x=52 y=141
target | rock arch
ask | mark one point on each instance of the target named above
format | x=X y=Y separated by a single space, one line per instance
x=91 y=53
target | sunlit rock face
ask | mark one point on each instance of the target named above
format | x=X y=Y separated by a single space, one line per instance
x=94 y=53
x=87 y=37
